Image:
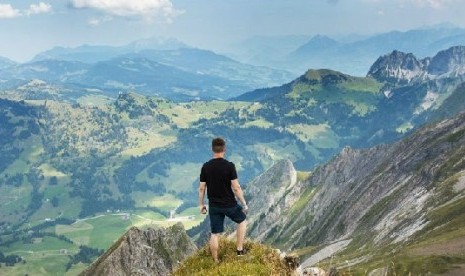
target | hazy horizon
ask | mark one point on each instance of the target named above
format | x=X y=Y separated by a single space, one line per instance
x=29 y=27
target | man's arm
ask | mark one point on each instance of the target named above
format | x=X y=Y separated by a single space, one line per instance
x=236 y=187
x=202 y=188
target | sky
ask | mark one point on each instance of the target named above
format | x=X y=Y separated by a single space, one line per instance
x=28 y=27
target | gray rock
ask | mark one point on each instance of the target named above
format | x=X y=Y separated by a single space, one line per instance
x=405 y=67
x=144 y=252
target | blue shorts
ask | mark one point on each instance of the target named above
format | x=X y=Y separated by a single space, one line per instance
x=217 y=215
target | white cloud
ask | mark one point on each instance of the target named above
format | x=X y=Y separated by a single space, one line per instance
x=7 y=11
x=39 y=8
x=131 y=8
x=97 y=21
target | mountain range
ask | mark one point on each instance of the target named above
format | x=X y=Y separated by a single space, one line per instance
x=166 y=68
x=81 y=165
x=95 y=53
x=352 y=54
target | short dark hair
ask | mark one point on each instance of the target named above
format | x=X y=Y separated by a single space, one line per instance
x=218 y=145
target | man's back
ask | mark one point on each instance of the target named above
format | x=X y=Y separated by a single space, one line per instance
x=218 y=173
x=219 y=177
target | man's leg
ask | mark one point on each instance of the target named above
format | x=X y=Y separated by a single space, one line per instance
x=214 y=246
x=240 y=231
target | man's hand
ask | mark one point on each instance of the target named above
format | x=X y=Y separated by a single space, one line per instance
x=245 y=209
x=202 y=188
x=203 y=209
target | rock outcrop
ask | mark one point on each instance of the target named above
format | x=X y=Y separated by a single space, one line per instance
x=405 y=67
x=271 y=194
x=144 y=252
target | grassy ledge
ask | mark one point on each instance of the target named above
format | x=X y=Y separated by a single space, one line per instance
x=260 y=260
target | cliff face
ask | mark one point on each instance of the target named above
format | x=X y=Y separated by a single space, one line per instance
x=387 y=194
x=271 y=194
x=144 y=252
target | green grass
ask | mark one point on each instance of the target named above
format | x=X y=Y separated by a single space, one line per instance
x=185 y=114
x=95 y=100
x=367 y=85
x=298 y=206
x=303 y=176
x=166 y=202
x=180 y=176
x=98 y=232
x=42 y=258
x=361 y=94
x=32 y=149
x=106 y=230
x=258 y=122
x=76 y=269
x=260 y=260
x=39 y=266
x=446 y=222
x=46 y=244
x=49 y=171
x=14 y=201
x=79 y=232
x=142 y=142
x=319 y=135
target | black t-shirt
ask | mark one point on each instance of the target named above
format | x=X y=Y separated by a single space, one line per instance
x=218 y=173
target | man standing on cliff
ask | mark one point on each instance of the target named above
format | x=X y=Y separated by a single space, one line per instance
x=219 y=177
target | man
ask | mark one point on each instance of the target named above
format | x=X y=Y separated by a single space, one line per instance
x=219 y=177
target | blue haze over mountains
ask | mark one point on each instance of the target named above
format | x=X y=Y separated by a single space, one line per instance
x=169 y=68
x=349 y=54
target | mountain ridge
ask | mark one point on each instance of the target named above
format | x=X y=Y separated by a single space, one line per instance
x=383 y=197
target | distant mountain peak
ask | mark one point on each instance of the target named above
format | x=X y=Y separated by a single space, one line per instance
x=450 y=61
x=397 y=65
x=403 y=67
x=322 y=38
x=316 y=43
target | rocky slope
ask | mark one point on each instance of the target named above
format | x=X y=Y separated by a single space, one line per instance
x=401 y=202
x=145 y=252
